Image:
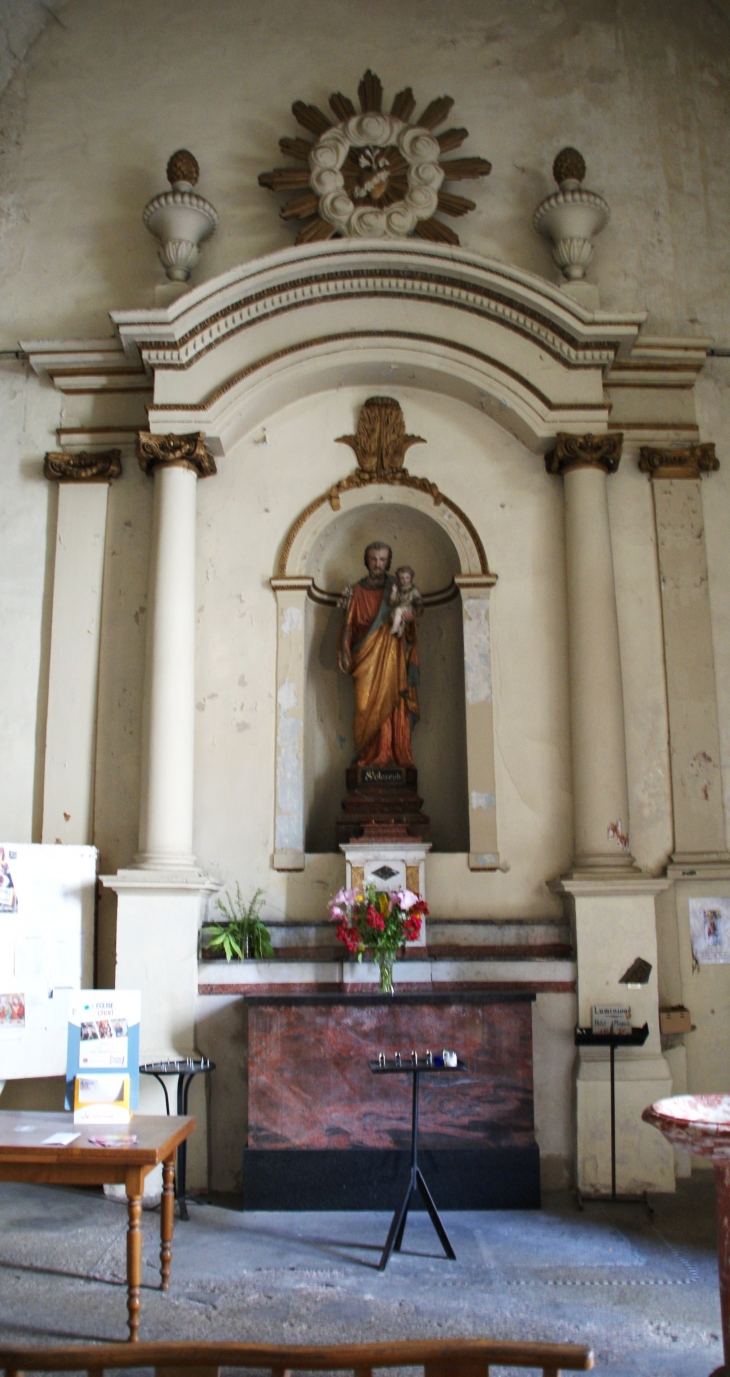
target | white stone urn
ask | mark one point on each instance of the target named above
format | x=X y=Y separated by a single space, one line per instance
x=179 y=218
x=571 y=216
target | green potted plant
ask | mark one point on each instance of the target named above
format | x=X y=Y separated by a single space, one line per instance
x=243 y=933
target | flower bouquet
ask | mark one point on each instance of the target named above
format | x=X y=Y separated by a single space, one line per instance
x=379 y=921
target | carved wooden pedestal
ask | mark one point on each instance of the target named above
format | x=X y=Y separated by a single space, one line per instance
x=382 y=802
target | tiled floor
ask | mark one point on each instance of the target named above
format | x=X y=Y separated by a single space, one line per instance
x=642 y=1292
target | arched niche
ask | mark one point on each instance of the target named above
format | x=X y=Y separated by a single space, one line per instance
x=454 y=747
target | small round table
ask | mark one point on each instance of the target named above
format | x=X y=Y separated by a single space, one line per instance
x=186 y=1069
x=701 y=1124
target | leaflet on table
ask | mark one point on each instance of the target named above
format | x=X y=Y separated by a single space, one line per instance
x=103 y=1039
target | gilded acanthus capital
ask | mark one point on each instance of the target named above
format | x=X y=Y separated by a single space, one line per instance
x=175 y=451
x=585 y=452
x=691 y=461
x=100 y=467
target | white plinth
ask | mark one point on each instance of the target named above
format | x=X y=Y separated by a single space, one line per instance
x=405 y=863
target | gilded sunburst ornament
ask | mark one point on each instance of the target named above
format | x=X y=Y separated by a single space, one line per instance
x=374 y=175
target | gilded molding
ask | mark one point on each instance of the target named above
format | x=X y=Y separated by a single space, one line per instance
x=691 y=461
x=175 y=451
x=99 y=467
x=585 y=452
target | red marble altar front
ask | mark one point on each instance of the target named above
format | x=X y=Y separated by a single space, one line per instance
x=309 y=1084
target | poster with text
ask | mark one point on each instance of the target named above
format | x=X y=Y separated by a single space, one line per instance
x=709 y=928
x=103 y=1037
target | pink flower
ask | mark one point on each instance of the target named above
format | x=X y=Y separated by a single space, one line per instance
x=405 y=899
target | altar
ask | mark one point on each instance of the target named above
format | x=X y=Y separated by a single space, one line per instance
x=323 y=1133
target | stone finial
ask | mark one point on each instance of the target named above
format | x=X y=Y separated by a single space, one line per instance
x=690 y=461
x=569 y=169
x=182 y=167
x=571 y=216
x=180 y=218
x=585 y=452
x=175 y=451
x=99 y=467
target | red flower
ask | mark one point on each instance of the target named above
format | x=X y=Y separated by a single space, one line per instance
x=412 y=926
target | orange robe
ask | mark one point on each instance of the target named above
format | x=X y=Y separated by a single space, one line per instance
x=385 y=670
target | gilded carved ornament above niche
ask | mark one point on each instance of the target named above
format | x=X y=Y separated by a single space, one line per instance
x=175 y=451
x=101 y=467
x=585 y=452
x=380 y=445
x=371 y=175
x=691 y=461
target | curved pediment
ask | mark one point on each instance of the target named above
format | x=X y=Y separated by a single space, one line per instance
x=230 y=351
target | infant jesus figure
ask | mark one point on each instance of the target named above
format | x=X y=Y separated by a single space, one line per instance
x=405 y=599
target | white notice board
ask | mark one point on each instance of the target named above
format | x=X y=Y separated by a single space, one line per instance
x=47 y=901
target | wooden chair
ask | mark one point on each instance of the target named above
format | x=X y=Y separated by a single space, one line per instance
x=438 y=1358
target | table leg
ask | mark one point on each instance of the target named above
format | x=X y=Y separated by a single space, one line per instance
x=134 y=1252
x=722 y=1205
x=167 y=1220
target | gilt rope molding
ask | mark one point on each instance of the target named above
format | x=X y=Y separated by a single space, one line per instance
x=380 y=445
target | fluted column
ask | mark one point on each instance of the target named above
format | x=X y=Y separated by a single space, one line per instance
x=166 y=799
x=600 y=790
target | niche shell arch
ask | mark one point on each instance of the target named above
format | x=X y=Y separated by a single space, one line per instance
x=295 y=584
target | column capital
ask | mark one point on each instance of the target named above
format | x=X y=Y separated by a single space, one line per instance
x=175 y=451
x=99 y=467
x=689 y=461
x=585 y=452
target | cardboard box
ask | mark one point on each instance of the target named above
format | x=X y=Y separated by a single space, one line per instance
x=675 y=1020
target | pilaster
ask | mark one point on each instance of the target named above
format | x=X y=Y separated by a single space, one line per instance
x=291 y=594
x=68 y=785
x=676 y=479
x=483 y=844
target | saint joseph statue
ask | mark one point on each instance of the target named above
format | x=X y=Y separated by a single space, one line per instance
x=383 y=662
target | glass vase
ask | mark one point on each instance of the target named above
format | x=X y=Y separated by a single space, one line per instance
x=385 y=963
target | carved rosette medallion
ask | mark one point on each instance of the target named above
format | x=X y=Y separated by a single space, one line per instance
x=175 y=451
x=372 y=175
x=101 y=467
x=585 y=452
x=691 y=461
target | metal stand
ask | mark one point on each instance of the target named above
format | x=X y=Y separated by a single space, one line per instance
x=186 y=1069
x=415 y=1180
x=584 y=1037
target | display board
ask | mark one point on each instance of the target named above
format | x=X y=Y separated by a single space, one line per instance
x=47 y=903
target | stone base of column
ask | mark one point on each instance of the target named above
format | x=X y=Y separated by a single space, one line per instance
x=708 y=865
x=644 y=1161
x=159 y=913
x=614 y=921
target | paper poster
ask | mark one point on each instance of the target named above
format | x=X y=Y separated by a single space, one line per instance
x=103 y=1037
x=47 y=902
x=709 y=928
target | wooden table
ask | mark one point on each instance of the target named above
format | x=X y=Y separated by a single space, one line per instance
x=25 y=1157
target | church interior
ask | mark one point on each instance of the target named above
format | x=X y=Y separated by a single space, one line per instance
x=365 y=575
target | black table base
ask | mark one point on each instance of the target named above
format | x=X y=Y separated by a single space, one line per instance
x=186 y=1069
x=416 y=1181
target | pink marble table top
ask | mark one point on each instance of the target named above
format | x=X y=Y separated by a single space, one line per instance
x=697 y=1123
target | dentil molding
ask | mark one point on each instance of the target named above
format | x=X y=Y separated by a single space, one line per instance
x=175 y=451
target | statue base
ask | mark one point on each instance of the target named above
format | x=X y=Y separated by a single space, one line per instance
x=396 y=864
x=382 y=804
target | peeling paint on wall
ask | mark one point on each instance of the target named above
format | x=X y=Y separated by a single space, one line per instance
x=477 y=651
x=289 y=776
x=485 y=801
x=292 y=621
